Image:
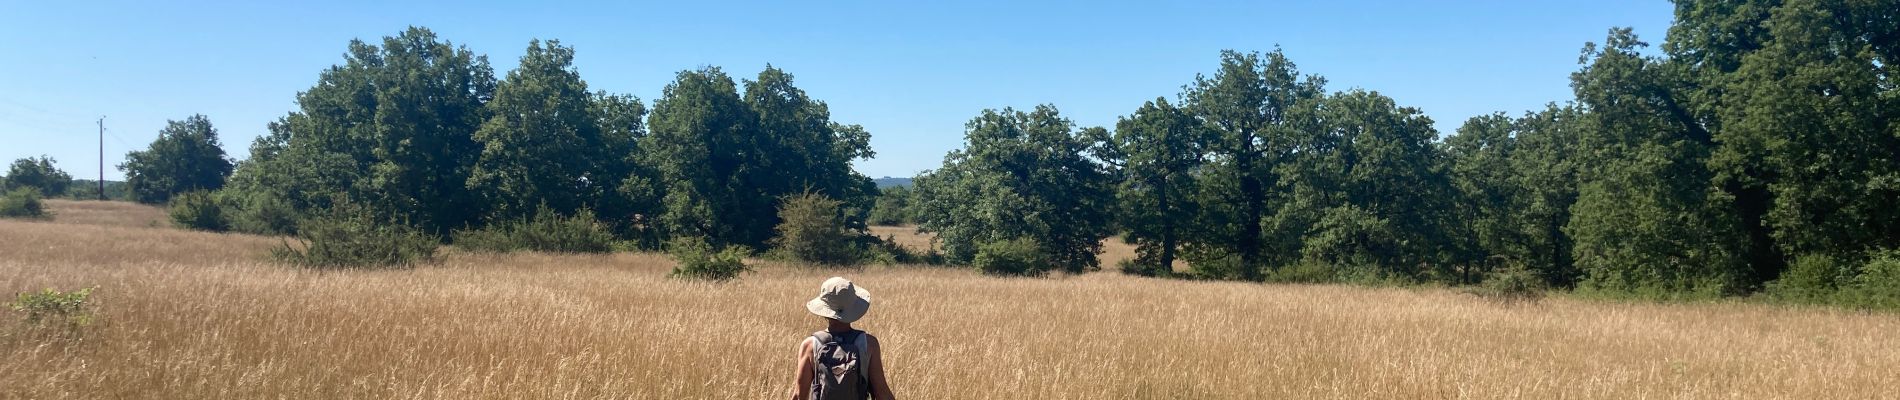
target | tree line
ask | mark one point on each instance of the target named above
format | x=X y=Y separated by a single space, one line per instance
x=1758 y=151
x=420 y=132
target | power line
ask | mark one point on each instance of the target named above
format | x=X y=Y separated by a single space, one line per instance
x=121 y=140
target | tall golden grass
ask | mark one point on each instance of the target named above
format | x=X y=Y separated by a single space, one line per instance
x=200 y=315
x=108 y=213
x=1114 y=250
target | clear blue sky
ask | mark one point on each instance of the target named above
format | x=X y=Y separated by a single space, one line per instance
x=910 y=73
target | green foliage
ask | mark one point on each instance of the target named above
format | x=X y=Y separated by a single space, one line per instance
x=813 y=230
x=1810 y=279
x=723 y=160
x=23 y=202
x=630 y=199
x=348 y=238
x=803 y=150
x=1646 y=217
x=1823 y=279
x=542 y=145
x=1877 y=286
x=1800 y=96
x=278 y=175
x=1368 y=189
x=1158 y=151
x=892 y=207
x=1021 y=175
x=88 y=189
x=1350 y=237
x=1251 y=108
x=1304 y=272
x=1140 y=267
x=187 y=157
x=72 y=309
x=1544 y=174
x=391 y=129
x=698 y=259
x=546 y=231
x=259 y=213
x=887 y=251
x=199 y=210
x=1488 y=198
x=1759 y=151
x=1012 y=257
x=1512 y=285
x=702 y=134
x=37 y=173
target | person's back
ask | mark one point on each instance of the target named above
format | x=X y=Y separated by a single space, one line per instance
x=840 y=362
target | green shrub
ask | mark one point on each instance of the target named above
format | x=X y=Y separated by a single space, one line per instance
x=812 y=229
x=1511 y=284
x=892 y=207
x=70 y=308
x=1877 y=286
x=1809 y=279
x=198 y=210
x=1351 y=237
x=1305 y=272
x=23 y=202
x=886 y=251
x=1146 y=263
x=1017 y=257
x=353 y=239
x=493 y=239
x=698 y=260
x=547 y=231
x=260 y=214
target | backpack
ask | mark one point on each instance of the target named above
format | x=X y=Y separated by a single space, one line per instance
x=839 y=371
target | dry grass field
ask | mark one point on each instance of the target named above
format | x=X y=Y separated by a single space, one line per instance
x=1113 y=249
x=189 y=315
x=108 y=213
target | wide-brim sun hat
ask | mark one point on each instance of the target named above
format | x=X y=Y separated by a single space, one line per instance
x=841 y=300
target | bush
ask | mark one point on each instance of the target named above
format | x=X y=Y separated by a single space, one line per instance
x=198 y=210
x=1352 y=237
x=1809 y=279
x=353 y=239
x=1878 y=284
x=1146 y=263
x=70 y=308
x=698 y=260
x=260 y=214
x=812 y=229
x=547 y=231
x=23 y=202
x=886 y=251
x=1016 y=257
x=1511 y=284
x=1305 y=272
x=892 y=207
x=38 y=173
x=1210 y=263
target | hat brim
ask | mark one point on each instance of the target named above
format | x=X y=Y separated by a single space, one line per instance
x=860 y=304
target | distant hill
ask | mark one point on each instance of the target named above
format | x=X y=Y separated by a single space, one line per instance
x=886 y=182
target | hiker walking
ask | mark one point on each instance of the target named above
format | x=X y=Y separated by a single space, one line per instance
x=840 y=362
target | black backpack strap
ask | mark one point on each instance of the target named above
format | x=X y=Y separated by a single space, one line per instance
x=850 y=338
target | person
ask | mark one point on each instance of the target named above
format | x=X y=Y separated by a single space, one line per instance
x=840 y=362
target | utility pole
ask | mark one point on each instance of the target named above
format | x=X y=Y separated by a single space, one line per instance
x=102 y=157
